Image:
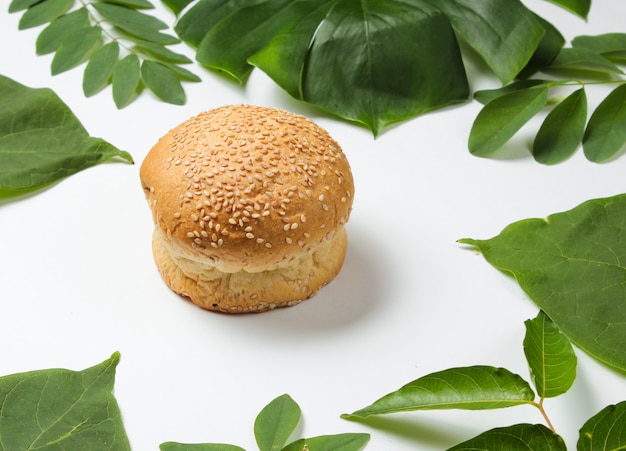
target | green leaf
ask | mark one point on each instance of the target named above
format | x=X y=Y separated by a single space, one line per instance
x=501 y=118
x=136 y=23
x=20 y=5
x=571 y=264
x=99 y=69
x=276 y=422
x=606 y=131
x=41 y=141
x=161 y=52
x=469 y=388
x=582 y=58
x=43 y=12
x=549 y=47
x=137 y=4
x=163 y=82
x=174 y=446
x=176 y=5
x=126 y=77
x=62 y=409
x=550 y=357
x=579 y=7
x=505 y=34
x=605 y=431
x=611 y=45
x=487 y=95
x=535 y=437
x=339 y=442
x=562 y=130
x=76 y=49
x=60 y=29
x=183 y=73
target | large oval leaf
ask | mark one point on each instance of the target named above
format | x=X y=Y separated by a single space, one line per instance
x=534 y=437
x=469 y=388
x=62 y=409
x=573 y=266
x=41 y=141
x=550 y=357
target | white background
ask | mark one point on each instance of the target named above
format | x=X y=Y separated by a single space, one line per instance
x=77 y=279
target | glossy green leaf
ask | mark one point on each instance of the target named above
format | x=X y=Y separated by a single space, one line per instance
x=99 y=70
x=572 y=265
x=76 y=49
x=339 y=442
x=610 y=45
x=176 y=6
x=163 y=82
x=137 y=4
x=535 y=437
x=276 y=422
x=161 y=52
x=549 y=47
x=175 y=446
x=182 y=73
x=605 y=431
x=20 y=5
x=487 y=95
x=60 y=29
x=125 y=81
x=44 y=12
x=61 y=409
x=505 y=34
x=337 y=55
x=561 y=133
x=501 y=118
x=582 y=58
x=550 y=357
x=470 y=388
x=41 y=141
x=606 y=130
x=579 y=7
x=135 y=22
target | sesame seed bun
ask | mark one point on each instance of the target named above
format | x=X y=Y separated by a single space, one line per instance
x=249 y=205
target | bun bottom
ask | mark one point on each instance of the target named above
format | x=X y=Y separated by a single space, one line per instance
x=246 y=292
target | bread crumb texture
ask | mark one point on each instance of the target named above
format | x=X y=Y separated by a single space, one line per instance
x=252 y=195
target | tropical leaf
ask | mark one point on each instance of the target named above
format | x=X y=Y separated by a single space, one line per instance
x=373 y=62
x=579 y=7
x=571 y=264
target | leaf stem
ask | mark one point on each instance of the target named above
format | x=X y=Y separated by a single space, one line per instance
x=539 y=405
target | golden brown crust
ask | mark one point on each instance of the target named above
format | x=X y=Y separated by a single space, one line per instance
x=247 y=188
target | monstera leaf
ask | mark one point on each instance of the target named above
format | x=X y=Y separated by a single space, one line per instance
x=374 y=62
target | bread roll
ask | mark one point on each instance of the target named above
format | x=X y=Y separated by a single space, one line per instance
x=249 y=205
